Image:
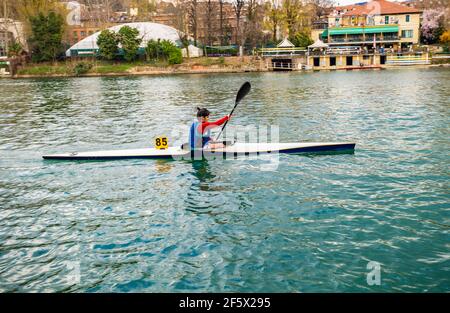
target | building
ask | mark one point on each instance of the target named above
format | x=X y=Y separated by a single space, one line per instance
x=83 y=21
x=373 y=25
x=11 y=31
x=208 y=25
x=147 y=31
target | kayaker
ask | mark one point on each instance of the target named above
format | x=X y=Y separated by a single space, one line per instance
x=200 y=131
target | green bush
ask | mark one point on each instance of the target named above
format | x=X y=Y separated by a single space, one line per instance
x=129 y=38
x=82 y=68
x=163 y=50
x=46 y=36
x=175 y=56
x=301 y=39
x=15 y=49
x=108 y=44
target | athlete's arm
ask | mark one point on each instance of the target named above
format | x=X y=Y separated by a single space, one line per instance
x=208 y=125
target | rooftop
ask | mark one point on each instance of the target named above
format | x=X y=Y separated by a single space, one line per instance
x=376 y=7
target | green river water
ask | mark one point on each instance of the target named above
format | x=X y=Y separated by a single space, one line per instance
x=311 y=224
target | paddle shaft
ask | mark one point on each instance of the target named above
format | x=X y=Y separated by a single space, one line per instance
x=243 y=91
x=223 y=127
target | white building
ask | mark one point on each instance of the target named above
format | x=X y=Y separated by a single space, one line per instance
x=147 y=31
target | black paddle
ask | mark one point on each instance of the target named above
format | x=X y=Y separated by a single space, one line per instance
x=243 y=91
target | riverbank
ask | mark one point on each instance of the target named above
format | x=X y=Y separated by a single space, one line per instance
x=102 y=68
x=204 y=65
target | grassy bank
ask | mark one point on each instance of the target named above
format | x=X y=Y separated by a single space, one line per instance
x=95 y=67
x=69 y=68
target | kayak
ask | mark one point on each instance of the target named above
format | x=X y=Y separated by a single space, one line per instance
x=229 y=151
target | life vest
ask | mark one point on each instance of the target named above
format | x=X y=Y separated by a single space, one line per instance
x=196 y=139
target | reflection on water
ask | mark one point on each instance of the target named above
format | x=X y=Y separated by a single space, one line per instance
x=202 y=171
x=310 y=224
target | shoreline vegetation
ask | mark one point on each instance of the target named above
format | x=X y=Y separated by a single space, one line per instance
x=88 y=68
x=202 y=65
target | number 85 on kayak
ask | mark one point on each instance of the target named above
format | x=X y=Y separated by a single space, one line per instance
x=161 y=143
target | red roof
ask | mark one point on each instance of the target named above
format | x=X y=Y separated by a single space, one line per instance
x=378 y=7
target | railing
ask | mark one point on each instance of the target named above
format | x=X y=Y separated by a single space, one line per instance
x=408 y=60
x=385 y=38
x=281 y=65
x=337 y=39
x=355 y=39
x=281 y=51
x=368 y=39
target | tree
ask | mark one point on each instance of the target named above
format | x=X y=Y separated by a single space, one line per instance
x=292 y=10
x=301 y=39
x=181 y=25
x=25 y=10
x=46 y=38
x=275 y=17
x=445 y=40
x=238 y=6
x=171 y=52
x=253 y=26
x=163 y=49
x=153 y=50
x=192 y=13
x=209 y=20
x=108 y=44
x=128 y=38
x=432 y=25
x=221 y=22
x=321 y=7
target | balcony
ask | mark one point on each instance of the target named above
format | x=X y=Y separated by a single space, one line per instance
x=391 y=38
x=337 y=39
x=361 y=39
x=355 y=39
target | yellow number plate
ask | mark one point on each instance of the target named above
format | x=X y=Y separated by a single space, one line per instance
x=161 y=143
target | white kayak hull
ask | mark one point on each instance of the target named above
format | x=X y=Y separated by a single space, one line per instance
x=234 y=150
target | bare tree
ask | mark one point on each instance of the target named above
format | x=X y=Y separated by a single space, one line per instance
x=221 y=20
x=253 y=26
x=192 y=12
x=322 y=7
x=209 y=21
x=238 y=5
x=181 y=23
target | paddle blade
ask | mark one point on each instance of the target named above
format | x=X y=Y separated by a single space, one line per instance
x=245 y=89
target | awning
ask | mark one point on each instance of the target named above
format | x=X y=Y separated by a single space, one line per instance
x=325 y=34
x=361 y=30
x=318 y=44
x=285 y=44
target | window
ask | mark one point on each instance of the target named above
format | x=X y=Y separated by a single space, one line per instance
x=316 y=61
x=5 y=39
x=2 y=49
x=332 y=61
x=386 y=19
x=407 y=33
x=349 y=60
x=83 y=33
x=407 y=18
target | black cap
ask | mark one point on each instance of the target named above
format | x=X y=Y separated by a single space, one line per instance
x=202 y=112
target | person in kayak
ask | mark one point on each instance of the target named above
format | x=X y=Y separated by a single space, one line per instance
x=200 y=131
